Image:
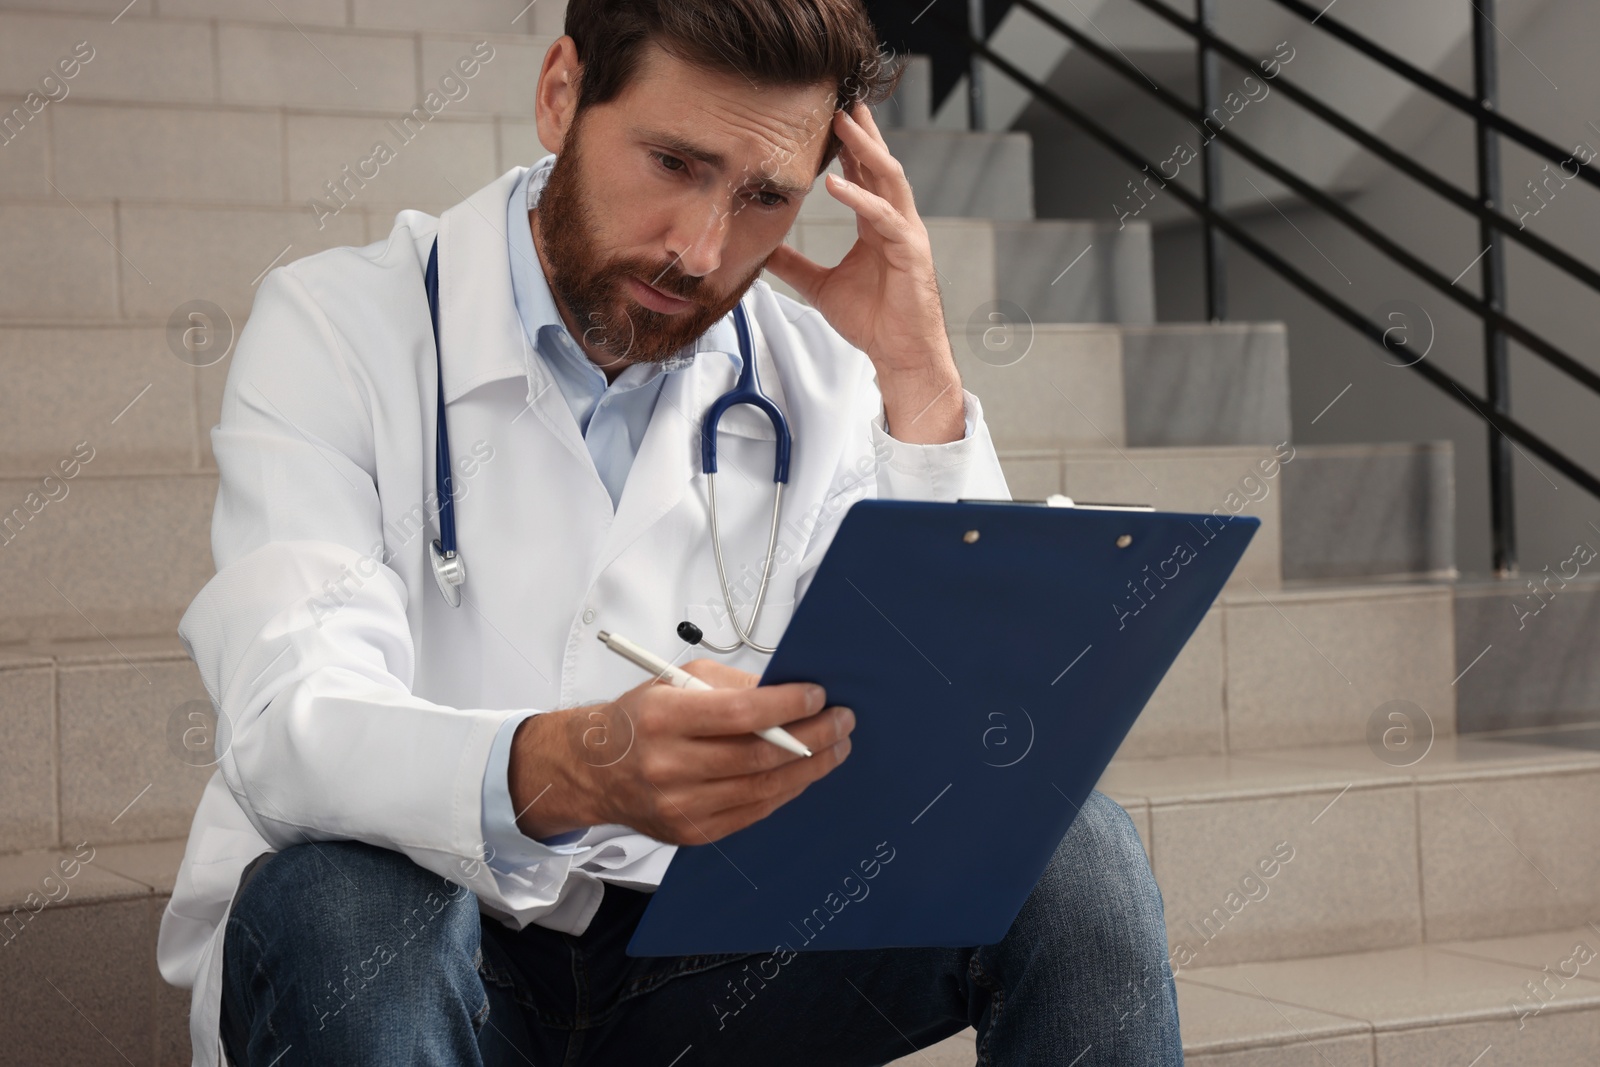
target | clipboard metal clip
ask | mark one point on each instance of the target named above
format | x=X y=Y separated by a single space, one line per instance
x=1056 y=500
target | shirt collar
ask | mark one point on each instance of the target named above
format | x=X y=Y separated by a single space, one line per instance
x=536 y=305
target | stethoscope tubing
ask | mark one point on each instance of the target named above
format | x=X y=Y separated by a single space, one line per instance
x=450 y=568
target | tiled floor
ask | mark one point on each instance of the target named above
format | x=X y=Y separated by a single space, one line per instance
x=1447 y=1005
x=957 y=1051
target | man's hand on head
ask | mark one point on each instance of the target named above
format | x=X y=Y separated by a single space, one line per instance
x=883 y=297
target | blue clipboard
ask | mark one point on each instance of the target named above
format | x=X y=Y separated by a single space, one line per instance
x=996 y=654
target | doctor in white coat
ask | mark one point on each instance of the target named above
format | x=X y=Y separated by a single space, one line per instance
x=585 y=329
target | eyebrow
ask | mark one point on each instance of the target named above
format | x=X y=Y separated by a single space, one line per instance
x=717 y=161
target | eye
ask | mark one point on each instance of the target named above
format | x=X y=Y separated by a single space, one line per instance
x=776 y=200
x=670 y=163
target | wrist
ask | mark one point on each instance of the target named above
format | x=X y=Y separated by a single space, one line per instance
x=547 y=779
x=926 y=405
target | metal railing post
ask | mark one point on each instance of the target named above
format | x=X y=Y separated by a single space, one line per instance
x=1497 y=373
x=1216 y=267
x=975 y=108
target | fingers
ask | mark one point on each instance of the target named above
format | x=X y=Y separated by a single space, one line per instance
x=720 y=675
x=731 y=757
x=719 y=808
x=851 y=166
x=734 y=707
x=667 y=712
x=865 y=144
x=879 y=215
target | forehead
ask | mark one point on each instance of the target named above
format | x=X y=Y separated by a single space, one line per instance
x=777 y=131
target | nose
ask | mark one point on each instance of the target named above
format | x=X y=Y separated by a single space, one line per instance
x=698 y=238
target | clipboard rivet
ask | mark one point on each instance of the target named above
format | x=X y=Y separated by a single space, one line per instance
x=1125 y=540
x=970 y=537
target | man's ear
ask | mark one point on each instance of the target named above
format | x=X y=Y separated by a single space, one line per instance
x=556 y=98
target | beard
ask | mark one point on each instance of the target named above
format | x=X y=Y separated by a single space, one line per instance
x=613 y=327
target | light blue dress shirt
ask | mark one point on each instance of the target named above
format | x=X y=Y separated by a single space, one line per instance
x=612 y=418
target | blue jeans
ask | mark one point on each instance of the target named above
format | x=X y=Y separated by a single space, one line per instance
x=345 y=953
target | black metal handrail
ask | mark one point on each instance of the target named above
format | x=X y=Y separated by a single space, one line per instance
x=1493 y=226
x=1391 y=248
x=1429 y=179
x=1473 y=109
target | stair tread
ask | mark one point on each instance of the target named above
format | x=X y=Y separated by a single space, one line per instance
x=1317 y=768
x=62 y=877
x=1234 y=1007
x=1344 y=1000
x=119 y=648
x=1402 y=988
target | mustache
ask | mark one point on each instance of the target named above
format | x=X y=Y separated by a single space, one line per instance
x=666 y=278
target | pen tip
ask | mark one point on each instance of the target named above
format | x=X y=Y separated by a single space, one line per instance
x=604 y=636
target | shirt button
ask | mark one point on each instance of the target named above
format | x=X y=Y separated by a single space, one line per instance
x=588 y=616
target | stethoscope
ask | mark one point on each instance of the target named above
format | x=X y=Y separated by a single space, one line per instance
x=450 y=570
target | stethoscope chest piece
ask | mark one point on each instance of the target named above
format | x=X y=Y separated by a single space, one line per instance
x=449 y=570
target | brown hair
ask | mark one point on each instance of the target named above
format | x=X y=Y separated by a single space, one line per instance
x=772 y=43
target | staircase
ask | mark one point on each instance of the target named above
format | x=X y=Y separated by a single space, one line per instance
x=1431 y=906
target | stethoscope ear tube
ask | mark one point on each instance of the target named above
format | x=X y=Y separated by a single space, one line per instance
x=449 y=569
x=747 y=390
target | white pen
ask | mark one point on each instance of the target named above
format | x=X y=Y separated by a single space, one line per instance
x=682 y=679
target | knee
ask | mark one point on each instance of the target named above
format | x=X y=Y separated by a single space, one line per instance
x=339 y=941
x=349 y=894
x=1098 y=884
x=1104 y=836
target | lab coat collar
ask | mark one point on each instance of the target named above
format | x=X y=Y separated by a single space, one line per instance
x=481 y=332
x=484 y=340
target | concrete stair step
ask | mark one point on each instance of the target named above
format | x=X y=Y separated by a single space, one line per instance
x=464 y=16
x=102 y=260
x=116 y=574
x=1527 y=654
x=911 y=106
x=121 y=553
x=1369 y=511
x=1059 y=385
x=1417 y=1006
x=955 y=174
x=130 y=390
x=384 y=68
x=1272 y=668
x=256 y=154
x=1533 y=992
x=999 y=273
x=1076 y=271
x=113 y=397
x=1206 y=384
x=82 y=947
x=97 y=722
x=1459 y=843
x=1237 y=480
x=95 y=741
x=1404 y=1007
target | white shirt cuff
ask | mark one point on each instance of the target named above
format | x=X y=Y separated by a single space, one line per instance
x=934 y=471
x=509 y=849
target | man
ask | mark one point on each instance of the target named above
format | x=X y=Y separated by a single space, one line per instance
x=434 y=828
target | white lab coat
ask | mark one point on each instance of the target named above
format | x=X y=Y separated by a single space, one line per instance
x=358 y=704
